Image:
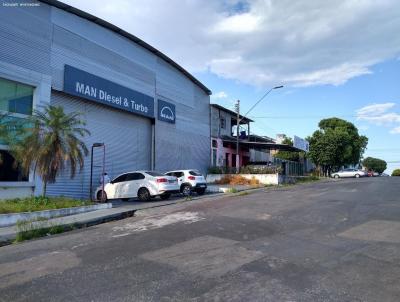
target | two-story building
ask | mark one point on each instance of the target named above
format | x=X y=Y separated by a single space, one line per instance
x=252 y=148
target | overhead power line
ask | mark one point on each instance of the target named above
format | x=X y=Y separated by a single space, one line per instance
x=301 y=117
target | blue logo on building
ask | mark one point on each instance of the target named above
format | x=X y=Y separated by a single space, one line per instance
x=166 y=112
x=91 y=87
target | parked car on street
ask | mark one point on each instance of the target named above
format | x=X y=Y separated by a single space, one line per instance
x=190 y=180
x=141 y=184
x=373 y=174
x=349 y=172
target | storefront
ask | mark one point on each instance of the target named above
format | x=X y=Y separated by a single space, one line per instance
x=146 y=109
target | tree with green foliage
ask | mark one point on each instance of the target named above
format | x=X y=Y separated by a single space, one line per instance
x=289 y=155
x=50 y=141
x=396 y=172
x=335 y=144
x=375 y=164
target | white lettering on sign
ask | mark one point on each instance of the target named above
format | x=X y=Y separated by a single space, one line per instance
x=105 y=96
x=86 y=89
x=167 y=113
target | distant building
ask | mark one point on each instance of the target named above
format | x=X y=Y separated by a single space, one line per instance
x=252 y=148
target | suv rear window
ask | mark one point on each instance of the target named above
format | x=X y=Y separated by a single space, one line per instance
x=154 y=173
x=195 y=173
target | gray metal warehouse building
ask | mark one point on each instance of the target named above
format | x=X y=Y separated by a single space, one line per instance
x=148 y=111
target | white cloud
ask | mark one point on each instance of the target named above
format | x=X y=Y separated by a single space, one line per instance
x=264 y=43
x=383 y=119
x=395 y=130
x=243 y=23
x=374 y=109
x=219 y=95
x=378 y=114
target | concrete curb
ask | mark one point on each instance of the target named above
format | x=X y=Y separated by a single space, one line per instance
x=12 y=218
x=9 y=237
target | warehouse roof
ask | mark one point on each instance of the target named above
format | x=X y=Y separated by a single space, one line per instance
x=105 y=24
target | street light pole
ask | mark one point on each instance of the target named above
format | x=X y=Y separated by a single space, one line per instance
x=237 y=135
x=95 y=145
x=238 y=120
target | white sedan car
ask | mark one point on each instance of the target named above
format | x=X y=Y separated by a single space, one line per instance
x=141 y=184
x=349 y=173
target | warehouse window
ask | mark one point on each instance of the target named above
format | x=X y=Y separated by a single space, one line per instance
x=15 y=97
x=9 y=169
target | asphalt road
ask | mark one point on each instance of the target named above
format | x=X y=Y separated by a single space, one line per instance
x=333 y=241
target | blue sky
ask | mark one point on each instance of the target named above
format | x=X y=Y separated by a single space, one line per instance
x=297 y=110
x=335 y=58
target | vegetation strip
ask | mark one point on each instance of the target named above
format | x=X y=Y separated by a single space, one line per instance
x=31 y=204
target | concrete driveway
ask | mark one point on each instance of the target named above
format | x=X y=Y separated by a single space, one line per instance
x=332 y=241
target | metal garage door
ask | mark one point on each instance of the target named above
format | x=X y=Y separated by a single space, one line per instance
x=127 y=138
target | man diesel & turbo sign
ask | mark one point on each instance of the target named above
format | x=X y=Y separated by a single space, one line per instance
x=166 y=112
x=89 y=86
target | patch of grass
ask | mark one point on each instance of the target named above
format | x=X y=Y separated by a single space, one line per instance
x=269 y=186
x=40 y=203
x=232 y=190
x=27 y=230
x=243 y=193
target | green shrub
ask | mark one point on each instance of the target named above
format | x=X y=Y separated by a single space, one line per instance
x=39 y=203
x=259 y=169
x=251 y=169
x=396 y=172
x=221 y=170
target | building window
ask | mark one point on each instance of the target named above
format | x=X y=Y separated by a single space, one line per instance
x=214 y=143
x=214 y=157
x=15 y=97
x=222 y=123
x=9 y=169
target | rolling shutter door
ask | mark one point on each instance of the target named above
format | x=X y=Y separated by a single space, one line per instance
x=127 y=138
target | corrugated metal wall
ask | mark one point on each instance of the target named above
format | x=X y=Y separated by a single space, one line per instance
x=185 y=144
x=43 y=39
x=25 y=37
x=127 y=138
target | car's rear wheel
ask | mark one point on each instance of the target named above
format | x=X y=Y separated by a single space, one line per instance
x=101 y=197
x=165 y=196
x=144 y=194
x=336 y=176
x=357 y=175
x=186 y=189
x=201 y=191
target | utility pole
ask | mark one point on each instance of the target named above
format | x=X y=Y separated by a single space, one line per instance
x=238 y=120
x=237 y=108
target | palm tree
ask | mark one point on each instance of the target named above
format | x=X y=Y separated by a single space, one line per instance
x=50 y=141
